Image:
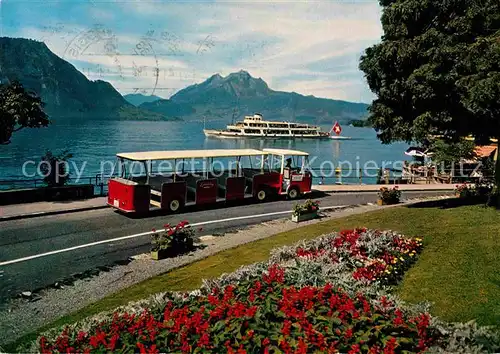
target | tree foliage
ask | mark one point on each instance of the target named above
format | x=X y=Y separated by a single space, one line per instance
x=446 y=154
x=19 y=109
x=436 y=70
x=55 y=168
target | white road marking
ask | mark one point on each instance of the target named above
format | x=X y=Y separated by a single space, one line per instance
x=24 y=259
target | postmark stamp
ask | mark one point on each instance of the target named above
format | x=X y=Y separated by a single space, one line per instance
x=96 y=41
x=144 y=49
x=206 y=44
x=169 y=44
x=150 y=60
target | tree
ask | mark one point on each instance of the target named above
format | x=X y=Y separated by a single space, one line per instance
x=55 y=168
x=447 y=154
x=19 y=109
x=436 y=71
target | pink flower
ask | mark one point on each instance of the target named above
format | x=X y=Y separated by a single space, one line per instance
x=153 y=229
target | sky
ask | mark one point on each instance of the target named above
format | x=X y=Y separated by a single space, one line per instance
x=159 y=47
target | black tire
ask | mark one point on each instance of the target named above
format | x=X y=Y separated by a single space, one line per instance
x=262 y=195
x=293 y=193
x=174 y=206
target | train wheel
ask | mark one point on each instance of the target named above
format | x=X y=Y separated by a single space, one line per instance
x=293 y=193
x=262 y=195
x=174 y=205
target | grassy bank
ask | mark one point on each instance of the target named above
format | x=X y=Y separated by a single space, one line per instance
x=459 y=269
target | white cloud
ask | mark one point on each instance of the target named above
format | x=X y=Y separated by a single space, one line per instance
x=300 y=34
x=97 y=13
x=308 y=47
x=338 y=89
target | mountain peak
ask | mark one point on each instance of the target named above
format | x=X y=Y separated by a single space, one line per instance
x=242 y=74
x=232 y=87
x=215 y=77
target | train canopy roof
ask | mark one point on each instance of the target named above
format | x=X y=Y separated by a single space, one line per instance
x=188 y=154
x=285 y=152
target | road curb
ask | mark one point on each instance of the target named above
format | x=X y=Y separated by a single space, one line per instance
x=377 y=190
x=47 y=213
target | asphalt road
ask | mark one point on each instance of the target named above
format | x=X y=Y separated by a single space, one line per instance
x=22 y=238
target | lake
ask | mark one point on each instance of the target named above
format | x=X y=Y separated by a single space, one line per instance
x=92 y=142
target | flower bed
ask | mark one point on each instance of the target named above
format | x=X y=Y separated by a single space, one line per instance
x=389 y=196
x=331 y=294
x=465 y=190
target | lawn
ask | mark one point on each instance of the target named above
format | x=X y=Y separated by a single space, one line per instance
x=458 y=271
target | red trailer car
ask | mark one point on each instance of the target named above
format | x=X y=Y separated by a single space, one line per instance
x=165 y=180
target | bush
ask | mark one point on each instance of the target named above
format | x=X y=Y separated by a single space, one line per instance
x=54 y=168
x=176 y=240
x=478 y=190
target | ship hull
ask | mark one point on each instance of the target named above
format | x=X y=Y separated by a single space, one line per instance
x=340 y=137
x=225 y=134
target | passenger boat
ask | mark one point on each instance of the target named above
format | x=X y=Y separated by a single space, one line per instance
x=256 y=127
x=225 y=175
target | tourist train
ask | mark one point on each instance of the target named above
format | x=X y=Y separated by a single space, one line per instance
x=225 y=175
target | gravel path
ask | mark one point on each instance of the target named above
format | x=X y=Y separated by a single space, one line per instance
x=22 y=316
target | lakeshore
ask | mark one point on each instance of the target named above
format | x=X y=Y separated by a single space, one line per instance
x=94 y=146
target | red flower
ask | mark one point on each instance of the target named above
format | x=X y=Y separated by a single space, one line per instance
x=286 y=328
x=374 y=350
x=354 y=349
x=153 y=350
x=301 y=346
x=81 y=336
x=390 y=346
x=112 y=342
x=153 y=229
x=141 y=347
x=97 y=339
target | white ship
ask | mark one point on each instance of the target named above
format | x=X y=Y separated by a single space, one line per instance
x=256 y=126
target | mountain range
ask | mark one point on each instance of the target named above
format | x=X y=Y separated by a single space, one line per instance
x=68 y=94
x=218 y=96
x=138 y=98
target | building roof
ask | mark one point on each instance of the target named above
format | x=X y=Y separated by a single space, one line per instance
x=485 y=151
x=283 y=152
x=188 y=154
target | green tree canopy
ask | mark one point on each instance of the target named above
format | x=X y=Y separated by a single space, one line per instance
x=436 y=70
x=19 y=109
x=55 y=168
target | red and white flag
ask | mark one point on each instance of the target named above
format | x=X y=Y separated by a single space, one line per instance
x=336 y=128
